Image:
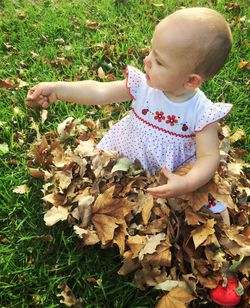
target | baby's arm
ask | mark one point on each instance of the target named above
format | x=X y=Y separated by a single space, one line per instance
x=86 y=92
x=207 y=153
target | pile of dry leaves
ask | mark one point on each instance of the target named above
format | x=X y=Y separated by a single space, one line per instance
x=176 y=245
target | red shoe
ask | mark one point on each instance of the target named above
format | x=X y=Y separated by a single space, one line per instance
x=227 y=296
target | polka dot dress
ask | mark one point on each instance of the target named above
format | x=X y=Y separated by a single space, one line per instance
x=157 y=131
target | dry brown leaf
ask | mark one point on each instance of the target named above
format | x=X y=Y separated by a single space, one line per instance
x=233 y=233
x=200 y=234
x=244 y=64
x=209 y=282
x=108 y=213
x=149 y=276
x=7 y=83
x=21 y=189
x=193 y=218
x=238 y=135
x=55 y=214
x=244 y=267
x=86 y=148
x=36 y=173
x=89 y=236
x=66 y=127
x=146 y=210
x=176 y=298
x=162 y=256
x=235 y=169
x=135 y=243
x=92 y=24
x=68 y=298
x=128 y=267
x=120 y=236
x=101 y=73
x=55 y=199
x=151 y=245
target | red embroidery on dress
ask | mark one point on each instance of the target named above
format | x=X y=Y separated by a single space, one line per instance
x=161 y=129
x=159 y=116
x=171 y=120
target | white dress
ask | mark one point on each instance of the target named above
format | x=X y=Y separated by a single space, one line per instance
x=159 y=132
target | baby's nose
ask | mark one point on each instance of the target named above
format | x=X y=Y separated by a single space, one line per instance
x=147 y=61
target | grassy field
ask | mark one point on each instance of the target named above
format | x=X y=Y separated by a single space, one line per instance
x=54 y=40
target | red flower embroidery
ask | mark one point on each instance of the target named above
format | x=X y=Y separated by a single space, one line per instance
x=211 y=200
x=144 y=111
x=171 y=120
x=159 y=116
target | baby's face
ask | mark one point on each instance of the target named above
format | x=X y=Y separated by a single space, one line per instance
x=169 y=64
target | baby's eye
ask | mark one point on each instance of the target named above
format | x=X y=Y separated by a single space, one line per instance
x=158 y=62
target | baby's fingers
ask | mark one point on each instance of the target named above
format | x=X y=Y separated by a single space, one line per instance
x=41 y=101
x=33 y=93
x=159 y=191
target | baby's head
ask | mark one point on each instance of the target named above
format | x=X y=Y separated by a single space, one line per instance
x=199 y=37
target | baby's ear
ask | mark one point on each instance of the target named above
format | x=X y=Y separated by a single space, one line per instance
x=194 y=81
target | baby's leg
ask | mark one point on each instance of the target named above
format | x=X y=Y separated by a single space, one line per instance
x=218 y=207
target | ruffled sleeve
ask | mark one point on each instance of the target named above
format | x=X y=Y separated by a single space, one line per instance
x=135 y=81
x=212 y=113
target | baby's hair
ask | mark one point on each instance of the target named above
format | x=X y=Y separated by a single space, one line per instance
x=213 y=42
x=213 y=58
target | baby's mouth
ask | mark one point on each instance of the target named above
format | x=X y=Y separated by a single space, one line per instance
x=147 y=76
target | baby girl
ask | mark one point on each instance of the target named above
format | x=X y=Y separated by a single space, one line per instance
x=172 y=122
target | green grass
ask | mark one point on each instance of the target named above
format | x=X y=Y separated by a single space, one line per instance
x=35 y=259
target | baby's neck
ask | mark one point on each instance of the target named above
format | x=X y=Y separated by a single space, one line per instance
x=183 y=97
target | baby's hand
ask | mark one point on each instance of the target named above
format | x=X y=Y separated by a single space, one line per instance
x=176 y=186
x=42 y=95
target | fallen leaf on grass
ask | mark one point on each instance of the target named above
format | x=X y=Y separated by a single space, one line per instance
x=244 y=64
x=21 y=189
x=68 y=298
x=92 y=24
x=89 y=236
x=101 y=73
x=4 y=148
x=36 y=173
x=238 y=135
x=176 y=298
x=55 y=214
x=114 y=209
x=7 y=83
